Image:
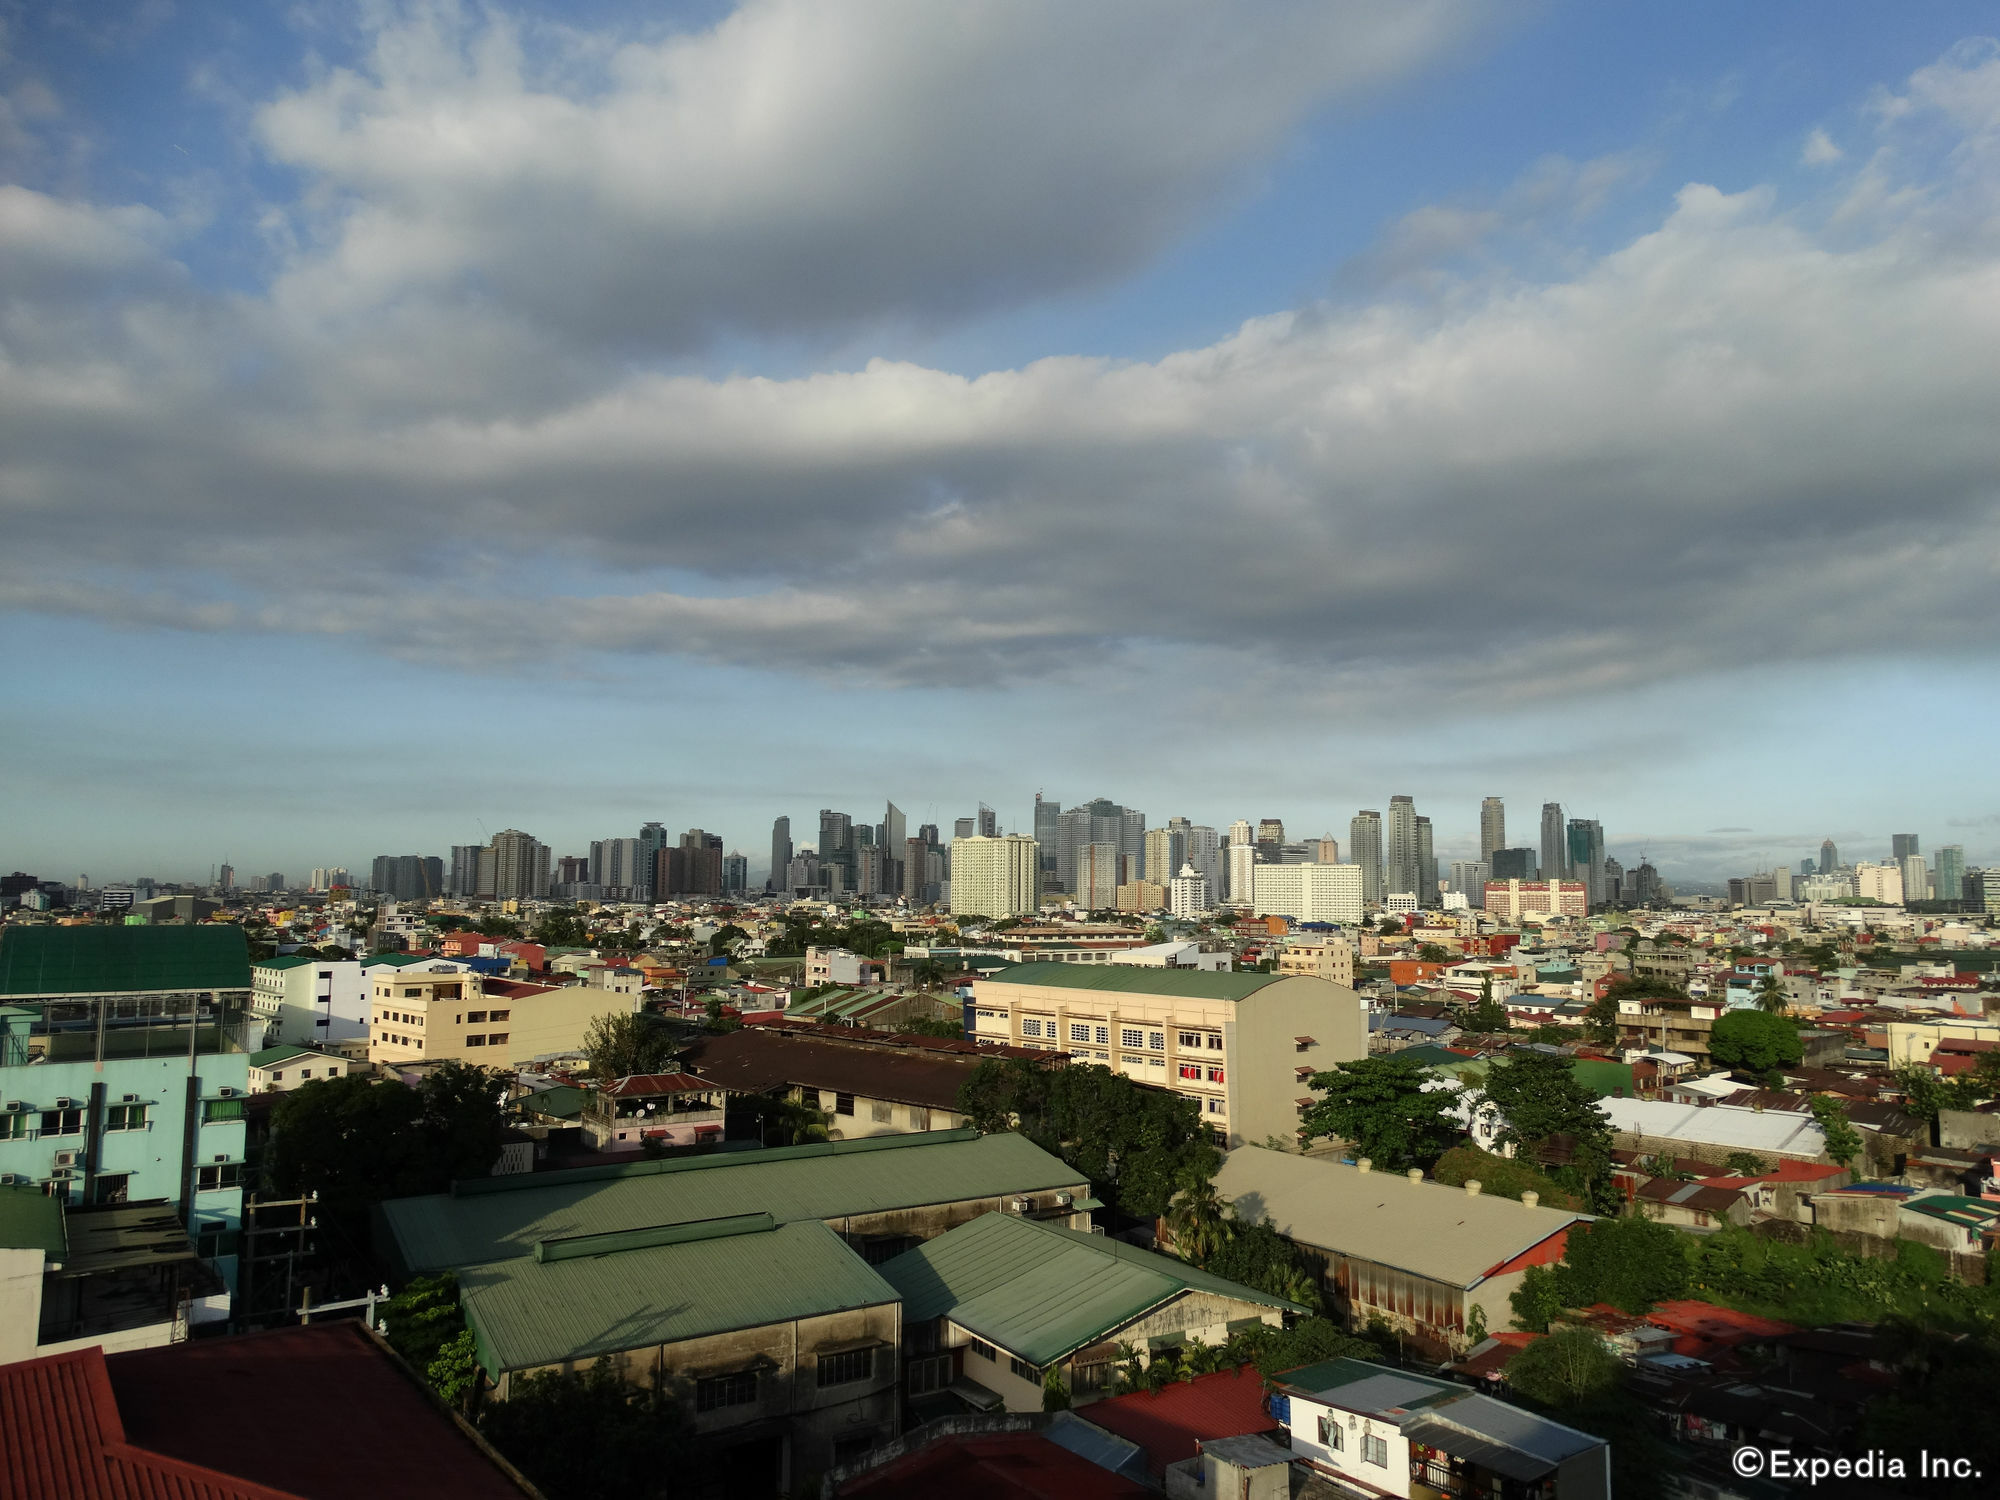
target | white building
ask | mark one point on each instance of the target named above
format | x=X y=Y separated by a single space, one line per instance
x=309 y=1002
x=1308 y=893
x=1174 y=956
x=1242 y=862
x=1882 y=883
x=279 y=1070
x=996 y=876
x=1188 y=895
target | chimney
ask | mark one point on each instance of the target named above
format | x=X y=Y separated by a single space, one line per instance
x=1472 y=1187
x=1366 y=1164
x=1531 y=1199
x=1415 y=1174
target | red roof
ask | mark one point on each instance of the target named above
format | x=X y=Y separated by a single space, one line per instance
x=253 y=1402
x=1705 y=1329
x=656 y=1083
x=999 y=1466
x=1171 y=1422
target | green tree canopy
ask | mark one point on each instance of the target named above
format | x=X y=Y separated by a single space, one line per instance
x=585 y=1435
x=1381 y=1107
x=1843 y=1141
x=1568 y=1366
x=1754 y=1041
x=622 y=1043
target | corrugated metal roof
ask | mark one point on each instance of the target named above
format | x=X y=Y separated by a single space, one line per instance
x=288 y=961
x=526 y=1313
x=1441 y=1232
x=1041 y=1292
x=1131 y=979
x=122 y=960
x=503 y=1217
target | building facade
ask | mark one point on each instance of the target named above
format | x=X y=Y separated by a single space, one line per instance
x=1308 y=893
x=996 y=877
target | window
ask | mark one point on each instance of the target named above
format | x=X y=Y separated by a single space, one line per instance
x=1190 y=1038
x=213 y=1111
x=1078 y=1033
x=1215 y=1075
x=1375 y=1450
x=125 y=1117
x=983 y=1349
x=1025 y=1370
x=1103 y=1035
x=326 y=973
x=111 y=1187
x=501 y=1015
x=1156 y=1041
x=928 y=1375
x=1330 y=1435
x=1215 y=1106
x=1131 y=1036
x=1031 y=1027
x=475 y=1017
x=725 y=1390
x=412 y=994
x=879 y=1112
x=493 y=1039
x=920 y=1118
x=475 y=1041
x=843 y=1104
x=1191 y=1072
x=62 y=1122
x=1215 y=1043
x=13 y=1125
x=214 y=1238
x=846 y=1367
x=222 y=1174
x=279 y=1076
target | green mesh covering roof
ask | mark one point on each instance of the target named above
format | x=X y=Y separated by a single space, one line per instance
x=1043 y=1292
x=526 y=1312
x=31 y=1220
x=289 y=961
x=1134 y=980
x=122 y=960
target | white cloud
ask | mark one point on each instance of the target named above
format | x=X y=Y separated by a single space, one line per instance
x=1819 y=150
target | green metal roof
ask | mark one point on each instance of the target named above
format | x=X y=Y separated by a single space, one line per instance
x=1954 y=1208
x=1603 y=1077
x=279 y=1054
x=122 y=960
x=1043 y=1292
x=495 y=1218
x=1332 y=1374
x=289 y=961
x=31 y=1220
x=1134 y=980
x=565 y=1101
x=526 y=1312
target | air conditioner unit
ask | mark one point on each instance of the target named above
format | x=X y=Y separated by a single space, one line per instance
x=226 y=1093
x=1019 y=1205
x=223 y=1157
x=61 y=1174
x=65 y=1158
x=66 y=1103
x=128 y=1098
x=8 y=1179
x=1063 y=1200
x=14 y=1106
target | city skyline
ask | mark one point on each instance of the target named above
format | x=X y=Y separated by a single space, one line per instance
x=1557 y=398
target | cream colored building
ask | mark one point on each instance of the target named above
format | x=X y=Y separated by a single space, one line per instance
x=1241 y=1045
x=995 y=877
x=498 y=1024
x=1331 y=961
x=1307 y=893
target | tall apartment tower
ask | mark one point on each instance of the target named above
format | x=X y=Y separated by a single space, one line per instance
x=1903 y=845
x=1492 y=827
x=989 y=823
x=894 y=831
x=653 y=837
x=1326 y=850
x=781 y=853
x=1555 y=843
x=1400 y=857
x=1427 y=866
x=1829 y=857
x=1096 y=876
x=995 y=876
x=520 y=866
x=1270 y=839
x=464 y=879
x=1166 y=849
x=1586 y=858
x=1242 y=863
x=1048 y=834
x=1204 y=852
x=1364 y=847
x=1948 y=876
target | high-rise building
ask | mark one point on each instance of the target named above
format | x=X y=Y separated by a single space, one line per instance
x=406 y=877
x=1309 y=893
x=1586 y=857
x=1241 y=862
x=653 y=837
x=1400 y=857
x=1916 y=877
x=1166 y=849
x=1098 y=821
x=1903 y=845
x=1427 y=866
x=1187 y=895
x=1364 y=847
x=1204 y=852
x=1515 y=864
x=781 y=852
x=520 y=866
x=1048 y=834
x=1948 y=878
x=1829 y=858
x=995 y=876
x=837 y=846
x=989 y=822
x=964 y=828
x=1096 y=877
x=1326 y=850
x=893 y=832
x=1270 y=839
x=735 y=873
x=464 y=880
x=916 y=871
x=1492 y=828
x=1555 y=843
x=695 y=865
x=621 y=869
x=1469 y=877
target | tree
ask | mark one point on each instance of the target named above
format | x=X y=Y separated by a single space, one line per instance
x=1565 y=1367
x=1538 y=1299
x=1772 y=996
x=1196 y=1221
x=1391 y=928
x=1489 y=1014
x=621 y=1044
x=933 y=1026
x=561 y=929
x=1754 y=1041
x=1055 y=1394
x=423 y=1318
x=1843 y=1141
x=1432 y=953
x=1746 y=1164
x=1538 y=1098
x=1630 y=1263
x=1381 y=1107
x=585 y=1435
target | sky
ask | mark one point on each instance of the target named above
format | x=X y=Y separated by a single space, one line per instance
x=423 y=419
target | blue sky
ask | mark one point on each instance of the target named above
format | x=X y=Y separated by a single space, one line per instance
x=416 y=418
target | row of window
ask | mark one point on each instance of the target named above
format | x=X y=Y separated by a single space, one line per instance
x=1196 y=1073
x=14 y=1125
x=740 y=1389
x=1089 y=1034
x=1374 y=1448
x=490 y=1039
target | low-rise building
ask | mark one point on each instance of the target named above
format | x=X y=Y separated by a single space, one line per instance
x=420 y=1013
x=1331 y=959
x=279 y=1070
x=309 y=1002
x=1307 y=893
x=663 y=1109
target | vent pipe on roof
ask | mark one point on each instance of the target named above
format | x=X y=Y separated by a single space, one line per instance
x=1366 y=1164
x=1531 y=1199
x=1415 y=1174
x=1472 y=1187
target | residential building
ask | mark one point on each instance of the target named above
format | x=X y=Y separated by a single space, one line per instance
x=1402 y=873
x=1492 y=827
x=1948 y=878
x=1364 y=845
x=422 y=1012
x=1916 y=878
x=1331 y=960
x=1005 y=1302
x=1514 y=864
x=1097 y=871
x=124 y=1061
x=735 y=873
x=658 y=1109
x=1381 y=1431
x=1140 y=896
x=995 y=876
x=1189 y=894
x=1204 y=852
x=1237 y=1044
x=464 y=877
x=279 y=1070
x=1586 y=857
x=1099 y=821
x=1883 y=883
x=1829 y=857
x=1511 y=900
x=1308 y=893
x=1469 y=877
x=520 y=867
x=1903 y=845
x=309 y=1002
x=781 y=853
x=1166 y=852
x=1431 y=1261
x=621 y=869
x=1241 y=862
x=1711 y=1132
x=1326 y=850
x=1048 y=829
x=407 y=877
x=1428 y=894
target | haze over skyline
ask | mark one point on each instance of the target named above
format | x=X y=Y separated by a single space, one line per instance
x=414 y=416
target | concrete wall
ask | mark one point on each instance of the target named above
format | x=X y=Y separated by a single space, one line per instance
x=1264 y=1058
x=903 y=1118
x=20 y=1303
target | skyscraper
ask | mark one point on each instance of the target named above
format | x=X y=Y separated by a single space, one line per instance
x=1469 y=877
x=836 y=846
x=1829 y=858
x=1326 y=850
x=621 y=869
x=1427 y=866
x=1241 y=863
x=1400 y=857
x=1586 y=857
x=520 y=866
x=1204 y=852
x=1916 y=876
x=1166 y=849
x=1902 y=846
x=735 y=873
x=781 y=853
x=1099 y=821
x=1048 y=834
x=1270 y=839
x=1555 y=843
x=1514 y=864
x=1948 y=878
x=894 y=830
x=464 y=880
x=1364 y=847
x=1096 y=877
x=989 y=823
x=995 y=877
x=1492 y=827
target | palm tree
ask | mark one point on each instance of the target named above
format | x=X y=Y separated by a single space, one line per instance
x=1196 y=1221
x=1772 y=996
